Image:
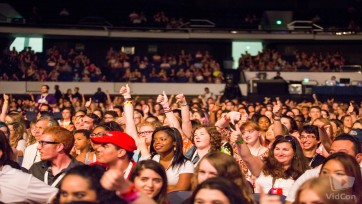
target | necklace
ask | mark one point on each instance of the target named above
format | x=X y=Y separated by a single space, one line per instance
x=257 y=153
x=310 y=163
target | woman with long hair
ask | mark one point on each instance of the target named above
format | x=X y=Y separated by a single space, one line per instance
x=337 y=127
x=284 y=164
x=166 y=148
x=150 y=178
x=291 y=125
x=341 y=167
x=218 y=164
x=17 y=134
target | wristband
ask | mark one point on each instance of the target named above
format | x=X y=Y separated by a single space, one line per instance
x=240 y=141
x=127 y=100
x=6 y=102
x=130 y=195
x=184 y=104
x=166 y=109
x=127 y=103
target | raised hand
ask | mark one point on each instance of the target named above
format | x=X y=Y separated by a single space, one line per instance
x=162 y=99
x=180 y=99
x=277 y=109
x=6 y=97
x=88 y=103
x=125 y=91
x=145 y=109
x=141 y=143
x=234 y=116
x=113 y=179
x=235 y=135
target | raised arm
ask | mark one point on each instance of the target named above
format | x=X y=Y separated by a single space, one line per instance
x=277 y=111
x=4 y=109
x=128 y=112
x=109 y=102
x=324 y=137
x=254 y=164
x=204 y=104
x=315 y=99
x=163 y=100
x=228 y=118
x=185 y=115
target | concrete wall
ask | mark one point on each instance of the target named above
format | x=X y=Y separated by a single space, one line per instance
x=113 y=88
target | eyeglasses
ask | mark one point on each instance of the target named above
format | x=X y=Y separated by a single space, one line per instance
x=42 y=142
x=145 y=132
x=99 y=134
x=288 y=138
x=307 y=137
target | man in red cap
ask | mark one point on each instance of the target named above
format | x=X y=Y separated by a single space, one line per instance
x=116 y=150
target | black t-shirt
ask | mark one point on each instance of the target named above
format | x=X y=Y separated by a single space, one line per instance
x=316 y=160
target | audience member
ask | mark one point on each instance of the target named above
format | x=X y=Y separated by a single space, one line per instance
x=54 y=146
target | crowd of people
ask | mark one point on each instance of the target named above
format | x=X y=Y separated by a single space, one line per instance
x=118 y=66
x=130 y=150
x=272 y=60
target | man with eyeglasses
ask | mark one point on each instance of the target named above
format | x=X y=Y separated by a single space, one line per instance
x=342 y=143
x=116 y=147
x=54 y=146
x=31 y=154
x=309 y=141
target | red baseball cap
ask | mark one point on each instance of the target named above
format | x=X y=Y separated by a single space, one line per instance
x=117 y=138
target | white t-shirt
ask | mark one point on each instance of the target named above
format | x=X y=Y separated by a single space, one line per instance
x=267 y=183
x=31 y=156
x=173 y=173
x=21 y=145
x=17 y=186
